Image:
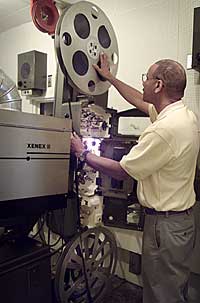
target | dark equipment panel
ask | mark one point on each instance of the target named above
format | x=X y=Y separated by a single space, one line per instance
x=114 y=149
x=25 y=273
x=121 y=206
x=123 y=214
x=196 y=40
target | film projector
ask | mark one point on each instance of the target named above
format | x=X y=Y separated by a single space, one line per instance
x=83 y=31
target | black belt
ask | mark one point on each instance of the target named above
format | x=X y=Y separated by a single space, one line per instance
x=151 y=211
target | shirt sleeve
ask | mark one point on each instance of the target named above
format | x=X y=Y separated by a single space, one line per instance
x=150 y=154
x=152 y=113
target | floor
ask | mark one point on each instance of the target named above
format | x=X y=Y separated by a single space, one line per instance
x=120 y=291
x=194 y=288
x=123 y=292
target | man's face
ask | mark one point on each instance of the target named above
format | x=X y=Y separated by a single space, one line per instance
x=149 y=85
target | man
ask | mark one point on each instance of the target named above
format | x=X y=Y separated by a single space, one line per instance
x=163 y=162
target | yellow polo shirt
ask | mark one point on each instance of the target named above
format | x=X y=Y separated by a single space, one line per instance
x=164 y=160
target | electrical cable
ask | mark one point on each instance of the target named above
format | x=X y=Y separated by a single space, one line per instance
x=81 y=240
x=41 y=233
x=70 y=106
x=55 y=251
x=39 y=230
x=63 y=226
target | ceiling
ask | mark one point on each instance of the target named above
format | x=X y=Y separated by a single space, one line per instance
x=16 y=12
x=13 y=13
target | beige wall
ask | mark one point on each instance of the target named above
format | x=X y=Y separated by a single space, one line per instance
x=21 y=39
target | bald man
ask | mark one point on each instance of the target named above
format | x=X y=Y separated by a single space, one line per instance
x=163 y=162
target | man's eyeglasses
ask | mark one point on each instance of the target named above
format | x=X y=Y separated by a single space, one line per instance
x=144 y=77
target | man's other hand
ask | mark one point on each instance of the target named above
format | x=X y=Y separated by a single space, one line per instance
x=77 y=146
x=104 y=68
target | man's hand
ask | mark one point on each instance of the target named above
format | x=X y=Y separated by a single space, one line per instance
x=107 y=166
x=77 y=146
x=104 y=69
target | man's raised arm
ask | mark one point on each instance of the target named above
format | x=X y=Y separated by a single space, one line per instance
x=130 y=94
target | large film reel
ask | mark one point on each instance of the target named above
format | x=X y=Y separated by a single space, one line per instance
x=83 y=32
x=98 y=248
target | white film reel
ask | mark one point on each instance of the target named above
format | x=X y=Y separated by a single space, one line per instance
x=83 y=32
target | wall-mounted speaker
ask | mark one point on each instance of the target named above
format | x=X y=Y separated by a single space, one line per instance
x=196 y=40
x=32 y=71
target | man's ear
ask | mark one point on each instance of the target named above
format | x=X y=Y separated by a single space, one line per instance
x=159 y=86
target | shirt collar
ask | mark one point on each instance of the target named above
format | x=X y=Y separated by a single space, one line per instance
x=170 y=108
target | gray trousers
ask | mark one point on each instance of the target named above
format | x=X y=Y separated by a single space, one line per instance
x=168 y=242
